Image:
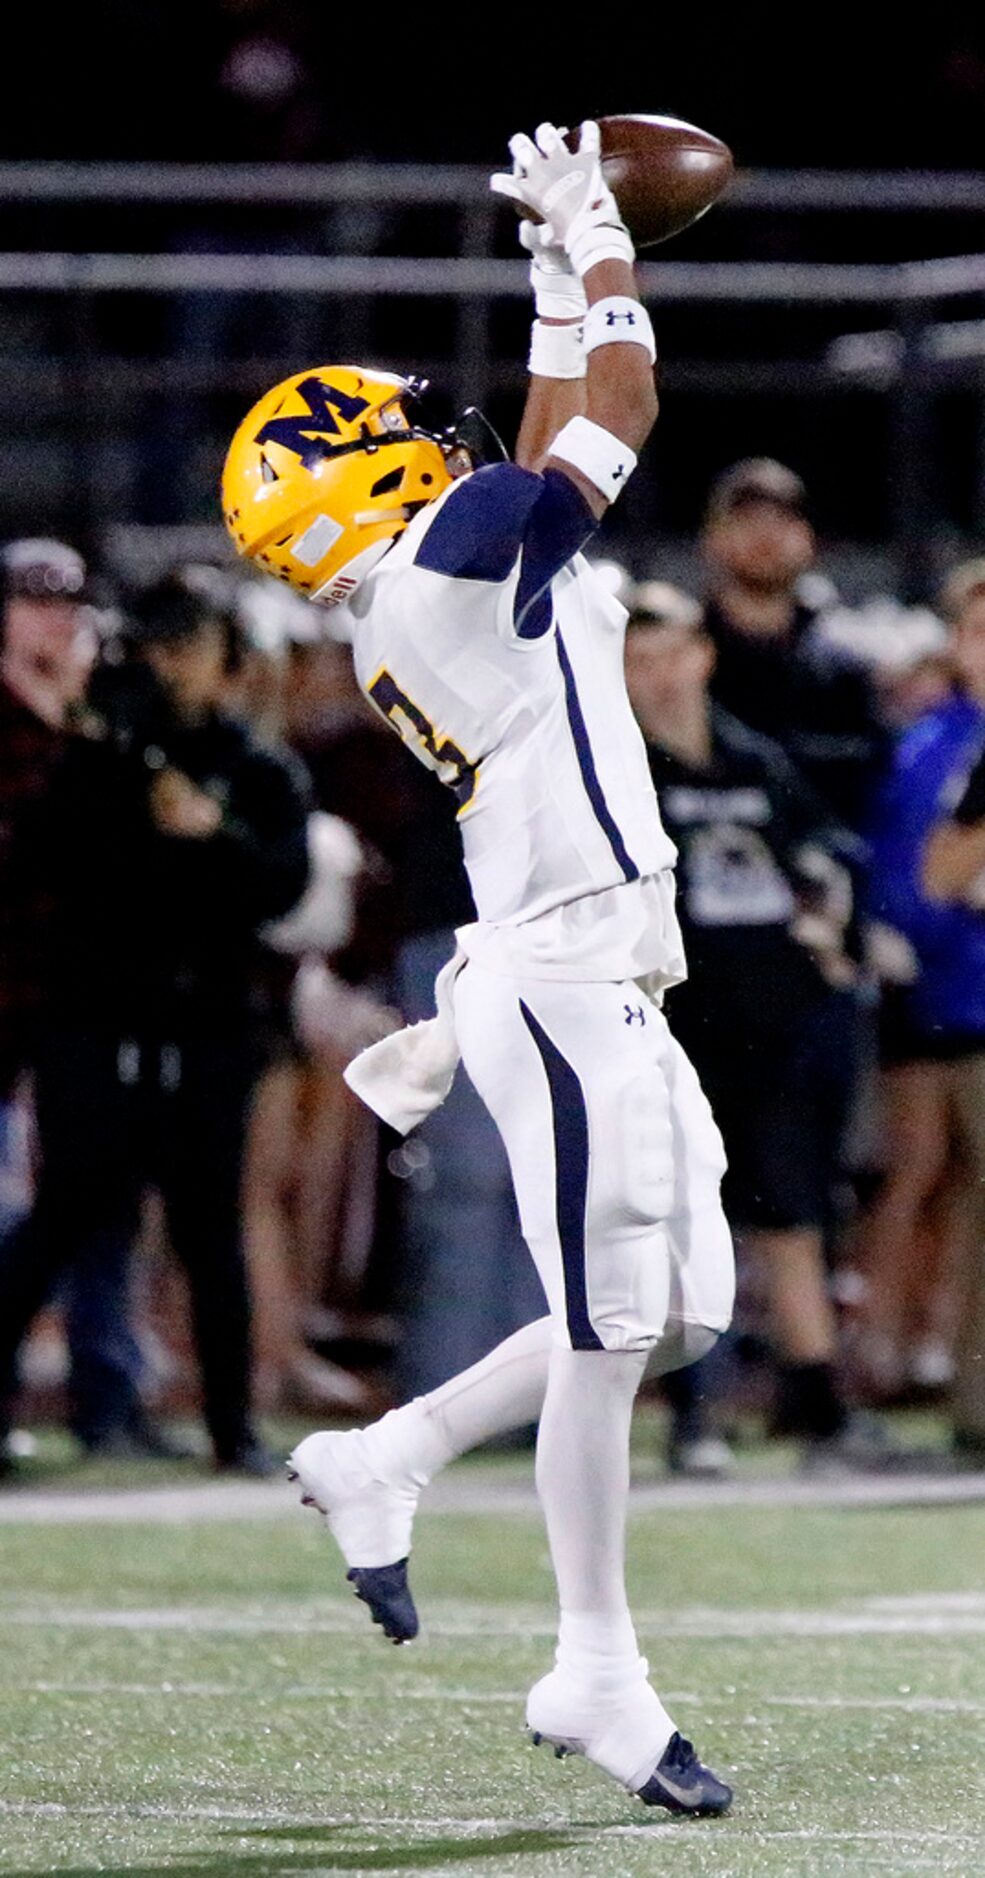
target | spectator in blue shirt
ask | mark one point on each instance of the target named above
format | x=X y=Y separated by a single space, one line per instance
x=933 y=1014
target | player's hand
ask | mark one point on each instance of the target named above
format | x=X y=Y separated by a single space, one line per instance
x=568 y=191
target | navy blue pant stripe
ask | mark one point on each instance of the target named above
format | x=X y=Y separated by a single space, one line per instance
x=586 y=763
x=570 y=1119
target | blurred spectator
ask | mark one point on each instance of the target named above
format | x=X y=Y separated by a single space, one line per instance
x=949 y=995
x=48 y=644
x=314 y=1023
x=904 y=648
x=342 y=1242
x=43 y=666
x=171 y=838
x=931 y=957
x=767 y=1012
x=325 y=1020
x=774 y=669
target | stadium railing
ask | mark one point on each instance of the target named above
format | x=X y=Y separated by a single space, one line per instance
x=807 y=351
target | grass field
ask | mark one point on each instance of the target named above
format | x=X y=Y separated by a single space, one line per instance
x=208 y=1698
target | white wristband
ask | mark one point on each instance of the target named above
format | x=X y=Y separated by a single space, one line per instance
x=619 y=319
x=602 y=457
x=556 y=351
x=558 y=294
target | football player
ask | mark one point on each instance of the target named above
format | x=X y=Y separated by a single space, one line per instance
x=481 y=634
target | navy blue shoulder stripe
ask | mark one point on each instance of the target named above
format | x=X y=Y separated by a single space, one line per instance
x=502 y=512
x=479 y=529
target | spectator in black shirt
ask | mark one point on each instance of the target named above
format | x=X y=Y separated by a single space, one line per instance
x=767 y=1012
x=774 y=670
x=171 y=838
x=47 y=646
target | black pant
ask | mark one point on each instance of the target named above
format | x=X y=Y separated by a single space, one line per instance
x=116 y=1114
x=781 y=1092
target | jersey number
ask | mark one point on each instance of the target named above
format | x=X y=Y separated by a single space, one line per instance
x=408 y=720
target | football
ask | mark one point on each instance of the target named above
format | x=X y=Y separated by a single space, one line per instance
x=663 y=173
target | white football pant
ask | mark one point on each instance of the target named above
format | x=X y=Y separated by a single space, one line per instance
x=616 y=1159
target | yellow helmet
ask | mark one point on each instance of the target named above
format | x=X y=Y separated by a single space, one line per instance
x=325 y=471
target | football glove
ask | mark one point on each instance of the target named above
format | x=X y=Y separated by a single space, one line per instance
x=567 y=190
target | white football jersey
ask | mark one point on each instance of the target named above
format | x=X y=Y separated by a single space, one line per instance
x=485 y=638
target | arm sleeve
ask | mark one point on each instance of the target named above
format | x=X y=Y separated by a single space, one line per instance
x=971 y=805
x=514 y=529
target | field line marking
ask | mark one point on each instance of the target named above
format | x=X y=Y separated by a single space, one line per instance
x=463 y=1490
x=480 y=1698
x=274 y=1692
x=734 y=1827
x=487 y=1624
x=906 y=1704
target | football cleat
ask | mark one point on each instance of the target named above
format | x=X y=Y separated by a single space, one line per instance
x=385 y=1589
x=683 y=1784
x=370 y=1519
x=680 y=1782
x=630 y=1737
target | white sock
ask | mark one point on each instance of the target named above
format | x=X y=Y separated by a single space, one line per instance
x=502 y=1392
x=505 y=1390
x=583 y=1483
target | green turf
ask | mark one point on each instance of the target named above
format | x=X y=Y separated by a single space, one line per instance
x=209 y=1699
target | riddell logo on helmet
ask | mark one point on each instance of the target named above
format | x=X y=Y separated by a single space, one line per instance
x=340 y=589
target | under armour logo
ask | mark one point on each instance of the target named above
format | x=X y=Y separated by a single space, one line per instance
x=634 y=1016
x=611 y=318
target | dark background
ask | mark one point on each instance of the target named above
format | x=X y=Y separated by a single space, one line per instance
x=103 y=428
x=868 y=86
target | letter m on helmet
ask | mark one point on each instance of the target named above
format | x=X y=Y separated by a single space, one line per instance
x=324 y=401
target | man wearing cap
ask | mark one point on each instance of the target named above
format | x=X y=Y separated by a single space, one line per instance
x=46 y=650
x=44 y=654
x=764 y=894
x=774 y=671
x=171 y=837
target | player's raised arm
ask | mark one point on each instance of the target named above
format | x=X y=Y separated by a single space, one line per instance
x=556 y=363
x=590 y=427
